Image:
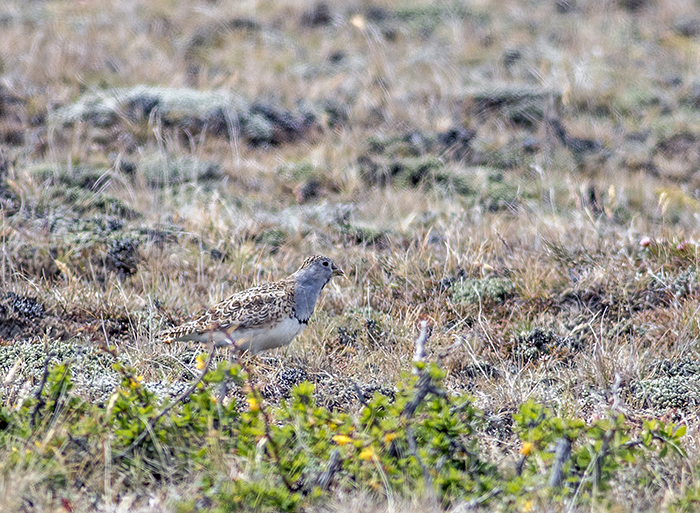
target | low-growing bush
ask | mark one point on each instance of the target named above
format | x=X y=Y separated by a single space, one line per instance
x=252 y=455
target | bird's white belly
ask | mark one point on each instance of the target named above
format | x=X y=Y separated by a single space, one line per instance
x=261 y=339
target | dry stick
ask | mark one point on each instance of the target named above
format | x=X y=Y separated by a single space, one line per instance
x=423 y=387
x=325 y=479
x=561 y=454
x=475 y=503
x=360 y=394
x=149 y=427
x=419 y=353
x=40 y=400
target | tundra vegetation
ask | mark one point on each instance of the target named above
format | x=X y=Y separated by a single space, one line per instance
x=511 y=187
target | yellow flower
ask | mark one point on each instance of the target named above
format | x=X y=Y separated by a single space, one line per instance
x=200 y=362
x=136 y=382
x=527 y=448
x=253 y=404
x=342 y=439
x=367 y=454
x=389 y=437
x=527 y=506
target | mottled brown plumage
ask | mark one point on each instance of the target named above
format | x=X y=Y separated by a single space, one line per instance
x=263 y=317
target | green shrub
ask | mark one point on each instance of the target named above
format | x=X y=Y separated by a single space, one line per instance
x=424 y=442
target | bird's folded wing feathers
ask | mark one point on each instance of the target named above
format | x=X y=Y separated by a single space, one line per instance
x=258 y=307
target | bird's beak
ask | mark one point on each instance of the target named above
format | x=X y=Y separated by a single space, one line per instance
x=337 y=271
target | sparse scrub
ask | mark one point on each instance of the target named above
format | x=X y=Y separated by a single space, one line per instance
x=293 y=455
x=523 y=175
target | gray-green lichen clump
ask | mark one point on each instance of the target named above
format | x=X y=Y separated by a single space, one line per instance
x=22 y=364
x=472 y=291
x=673 y=384
x=668 y=392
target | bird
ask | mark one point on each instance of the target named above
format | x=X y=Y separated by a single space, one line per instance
x=264 y=317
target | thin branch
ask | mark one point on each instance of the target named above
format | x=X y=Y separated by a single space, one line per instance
x=325 y=479
x=413 y=446
x=561 y=454
x=40 y=399
x=423 y=387
x=360 y=394
x=419 y=353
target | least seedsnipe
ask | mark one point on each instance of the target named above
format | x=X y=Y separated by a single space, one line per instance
x=265 y=317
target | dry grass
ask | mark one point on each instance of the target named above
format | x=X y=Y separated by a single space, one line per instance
x=562 y=225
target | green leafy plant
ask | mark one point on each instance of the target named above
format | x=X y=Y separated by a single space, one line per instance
x=286 y=457
x=582 y=458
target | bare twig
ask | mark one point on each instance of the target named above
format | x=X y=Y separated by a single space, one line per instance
x=325 y=479
x=413 y=446
x=424 y=386
x=475 y=503
x=360 y=394
x=39 y=397
x=561 y=454
x=419 y=353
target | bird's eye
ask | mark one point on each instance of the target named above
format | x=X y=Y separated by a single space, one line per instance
x=325 y=263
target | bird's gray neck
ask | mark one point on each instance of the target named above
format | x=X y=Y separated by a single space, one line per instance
x=307 y=288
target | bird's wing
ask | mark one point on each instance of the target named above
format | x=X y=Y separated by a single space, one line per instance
x=258 y=307
x=252 y=308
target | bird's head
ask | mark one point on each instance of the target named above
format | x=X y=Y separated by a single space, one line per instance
x=318 y=268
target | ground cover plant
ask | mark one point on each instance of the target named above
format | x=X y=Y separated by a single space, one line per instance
x=511 y=188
